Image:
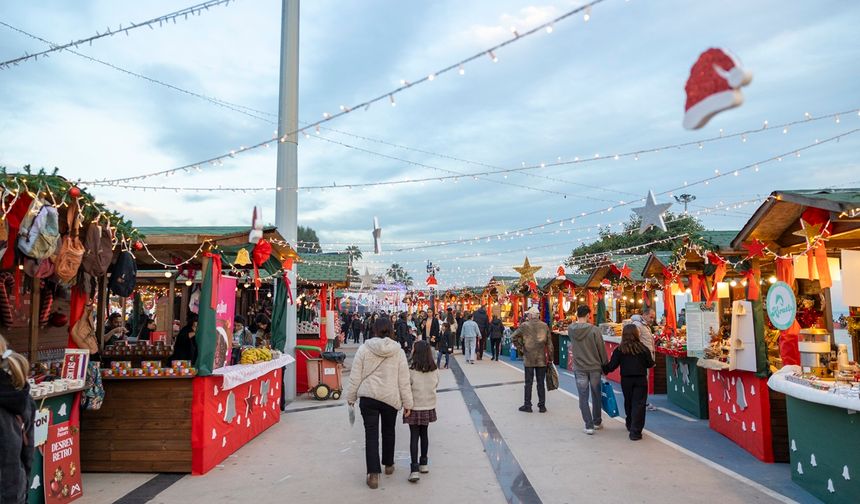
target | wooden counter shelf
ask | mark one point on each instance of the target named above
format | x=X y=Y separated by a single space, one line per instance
x=144 y=425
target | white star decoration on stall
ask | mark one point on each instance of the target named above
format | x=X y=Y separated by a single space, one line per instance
x=366 y=280
x=264 y=392
x=652 y=213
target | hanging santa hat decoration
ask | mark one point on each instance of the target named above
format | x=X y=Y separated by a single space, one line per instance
x=713 y=86
x=262 y=252
x=256 y=227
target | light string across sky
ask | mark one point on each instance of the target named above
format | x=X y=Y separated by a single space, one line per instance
x=387 y=96
x=166 y=18
x=785 y=127
x=258 y=113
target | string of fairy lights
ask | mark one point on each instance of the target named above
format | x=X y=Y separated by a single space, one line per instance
x=198 y=167
x=197 y=9
x=255 y=113
x=387 y=96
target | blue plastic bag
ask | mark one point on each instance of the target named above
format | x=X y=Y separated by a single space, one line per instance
x=607 y=399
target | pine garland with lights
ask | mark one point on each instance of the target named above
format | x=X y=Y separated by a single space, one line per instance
x=59 y=192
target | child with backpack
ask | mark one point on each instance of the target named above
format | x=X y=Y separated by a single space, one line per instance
x=424 y=379
x=635 y=360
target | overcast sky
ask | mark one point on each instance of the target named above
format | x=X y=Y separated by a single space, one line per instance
x=610 y=85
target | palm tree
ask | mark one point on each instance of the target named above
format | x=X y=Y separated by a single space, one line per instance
x=399 y=275
x=354 y=254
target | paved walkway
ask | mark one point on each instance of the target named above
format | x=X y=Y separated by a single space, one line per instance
x=481 y=450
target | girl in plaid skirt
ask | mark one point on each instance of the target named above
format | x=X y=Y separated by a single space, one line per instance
x=424 y=379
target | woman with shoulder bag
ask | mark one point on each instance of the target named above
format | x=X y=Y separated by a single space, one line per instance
x=380 y=379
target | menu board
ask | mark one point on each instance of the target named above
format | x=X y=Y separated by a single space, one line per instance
x=700 y=319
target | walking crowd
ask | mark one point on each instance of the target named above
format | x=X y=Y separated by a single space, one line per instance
x=394 y=369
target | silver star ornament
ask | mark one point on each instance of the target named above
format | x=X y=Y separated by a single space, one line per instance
x=652 y=213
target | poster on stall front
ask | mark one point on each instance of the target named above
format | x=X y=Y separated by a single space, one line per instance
x=75 y=364
x=224 y=315
x=61 y=473
x=701 y=320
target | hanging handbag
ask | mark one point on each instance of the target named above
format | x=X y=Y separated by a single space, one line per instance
x=71 y=252
x=551 y=373
x=84 y=332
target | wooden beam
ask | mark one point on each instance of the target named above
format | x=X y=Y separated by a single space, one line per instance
x=171 y=296
x=101 y=310
x=34 y=320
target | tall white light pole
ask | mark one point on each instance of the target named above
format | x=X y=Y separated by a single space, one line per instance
x=287 y=199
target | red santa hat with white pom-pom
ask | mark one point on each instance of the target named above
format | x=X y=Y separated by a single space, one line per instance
x=714 y=85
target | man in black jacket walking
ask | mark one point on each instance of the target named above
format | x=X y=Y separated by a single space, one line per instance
x=483 y=320
x=404 y=337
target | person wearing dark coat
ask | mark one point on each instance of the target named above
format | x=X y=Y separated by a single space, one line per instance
x=459 y=340
x=431 y=328
x=635 y=360
x=356 y=328
x=17 y=413
x=403 y=335
x=444 y=345
x=497 y=330
x=185 y=347
x=483 y=320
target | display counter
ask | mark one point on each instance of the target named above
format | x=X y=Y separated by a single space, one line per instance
x=686 y=385
x=742 y=408
x=824 y=436
x=180 y=424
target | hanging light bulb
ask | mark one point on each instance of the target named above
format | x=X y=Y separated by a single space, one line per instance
x=772 y=279
x=391 y=99
x=189 y=282
x=493 y=56
x=167 y=274
x=587 y=15
x=549 y=29
x=733 y=283
x=462 y=70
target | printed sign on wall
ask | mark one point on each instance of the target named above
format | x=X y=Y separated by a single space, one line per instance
x=61 y=473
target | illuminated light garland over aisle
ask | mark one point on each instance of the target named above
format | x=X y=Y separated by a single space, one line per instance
x=161 y=20
x=255 y=113
x=388 y=96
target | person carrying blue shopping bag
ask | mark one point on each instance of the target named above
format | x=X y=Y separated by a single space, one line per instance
x=635 y=360
x=607 y=399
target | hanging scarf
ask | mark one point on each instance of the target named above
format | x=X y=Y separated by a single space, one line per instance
x=718 y=277
x=696 y=288
x=752 y=276
x=590 y=301
x=669 y=299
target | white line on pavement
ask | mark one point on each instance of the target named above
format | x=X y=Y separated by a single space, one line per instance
x=728 y=472
x=676 y=414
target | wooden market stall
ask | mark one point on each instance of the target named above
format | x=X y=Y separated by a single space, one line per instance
x=687 y=385
x=725 y=334
x=319 y=275
x=561 y=294
x=812 y=240
x=57 y=247
x=166 y=415
x=616 y=290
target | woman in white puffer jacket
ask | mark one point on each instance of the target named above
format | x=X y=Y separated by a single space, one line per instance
x=380 y=378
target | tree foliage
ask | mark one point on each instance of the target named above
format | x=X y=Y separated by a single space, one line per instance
x=309 y=242
x=354 y=255
x=676 y=224
x=398 y=274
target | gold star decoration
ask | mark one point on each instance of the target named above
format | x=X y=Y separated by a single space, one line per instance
x=808 y=231
x=527 y=272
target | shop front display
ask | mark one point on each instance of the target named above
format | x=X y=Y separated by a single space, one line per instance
x=822 y=431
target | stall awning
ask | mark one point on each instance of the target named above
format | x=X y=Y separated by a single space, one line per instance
x=332 y=268
x=778 y=218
